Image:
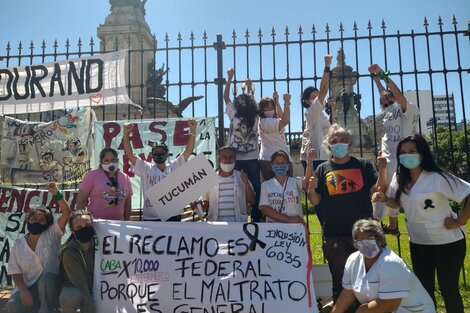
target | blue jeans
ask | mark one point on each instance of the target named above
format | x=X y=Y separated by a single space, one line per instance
x=252 y=170
x=44 y=293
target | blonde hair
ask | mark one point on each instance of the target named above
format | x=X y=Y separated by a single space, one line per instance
x=332 y=131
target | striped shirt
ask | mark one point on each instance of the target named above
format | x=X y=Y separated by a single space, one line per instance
x=226 y=199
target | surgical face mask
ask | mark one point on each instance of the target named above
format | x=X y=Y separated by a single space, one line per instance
x=160 y=158
x=85 y=234
x=110 y=167
x=36 y=228
x=280 y=169
x=269 y=113
x=368 y=248
x=339 y=150
x=227 y=167
x=410 y=161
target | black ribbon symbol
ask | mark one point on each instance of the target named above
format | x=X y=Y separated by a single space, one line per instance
x=253 y=237
x=428 y=204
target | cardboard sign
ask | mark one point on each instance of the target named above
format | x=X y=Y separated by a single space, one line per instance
x=202 y=267
x=182 y=186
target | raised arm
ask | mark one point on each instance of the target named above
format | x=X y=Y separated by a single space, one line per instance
x=127 y=144
x=382 y=180
x=286 y=115
x=63 y=205
x=192 y=139
x=230 y=74
x=375 y=69
x=325 y=80
x=279 y=111
x=311 y=156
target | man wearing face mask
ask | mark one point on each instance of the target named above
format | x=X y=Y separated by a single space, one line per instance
x=231 y=199
x=34 y=261
x=399 y=119
x=152 y=174
x=77 y=258
x=341 y=192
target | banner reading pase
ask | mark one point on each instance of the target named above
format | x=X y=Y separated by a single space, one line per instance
x=69 y=84
x=202 y=267
x=182 y=186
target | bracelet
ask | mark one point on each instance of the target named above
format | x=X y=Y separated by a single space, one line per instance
x=383 y=75
x=460 y=221
x=193 y=134
x=373 y=75
x=58 y=196
x=327 y=69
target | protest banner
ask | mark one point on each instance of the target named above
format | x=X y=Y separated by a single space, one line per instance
x=184 y=185
x=202 y=267
x=15 y=203
x=92 y=81
x=38 y=152
x=174 y=132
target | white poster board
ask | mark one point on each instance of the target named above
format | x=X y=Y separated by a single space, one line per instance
x=202 y=267
x=182 y=186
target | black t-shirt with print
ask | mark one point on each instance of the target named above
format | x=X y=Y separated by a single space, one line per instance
x=345 y=191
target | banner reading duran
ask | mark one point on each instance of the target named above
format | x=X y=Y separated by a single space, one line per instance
x=68 y=84
x=38 y=152
x=15 y=203
x=173 y=131
x=202 y=267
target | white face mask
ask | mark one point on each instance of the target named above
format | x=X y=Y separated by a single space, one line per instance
x=110 y=167
x=269 y=113
x=227 y=167
x=368 y=248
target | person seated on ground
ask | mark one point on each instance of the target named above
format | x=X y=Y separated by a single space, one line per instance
x=271 y=131
x=77 y=258
x=150 y=174
x=34 y=261
x=231 y=199
x=280 y=196
x=378 y=278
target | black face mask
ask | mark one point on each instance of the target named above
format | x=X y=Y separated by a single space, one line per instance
x=85 y=234
x=160 y=158
x=36 y=228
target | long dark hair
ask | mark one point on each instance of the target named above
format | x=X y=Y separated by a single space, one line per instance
x=427 y=164
x=247 y=109
x=306 y=95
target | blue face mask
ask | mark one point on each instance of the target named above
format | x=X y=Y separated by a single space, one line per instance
x=280 y=169
x=339 y=150
x=410 y=161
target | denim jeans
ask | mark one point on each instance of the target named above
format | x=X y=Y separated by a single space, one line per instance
x=252 y=170
x=44 y=293
x=71 y=299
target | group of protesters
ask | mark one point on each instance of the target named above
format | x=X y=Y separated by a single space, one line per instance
x=350 y=196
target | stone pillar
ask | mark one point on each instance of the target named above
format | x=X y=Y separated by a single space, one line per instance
x=125 y=28
x=342 y=82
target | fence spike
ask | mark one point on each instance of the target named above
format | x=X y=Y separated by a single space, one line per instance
x=204 y=36
x=286 y=31
x=43 y=44
x=167 y=38
x=191 y=36
x=247 y=33
x=454 y=21
x=260 y=33
x=234 y=35
x=92 y=42
x=426 y=24
x=273 y=32
x=355 y=26
x=341 y=28
x=439 y=21
x=20 y=47
x=314 y=29
x=300 y=32
x=67 y=43
x=31 y=46
x=369 y=26
x=179 y=37
x=56 y=44
x=327 y=29
x=383 y=26
x=79 y=44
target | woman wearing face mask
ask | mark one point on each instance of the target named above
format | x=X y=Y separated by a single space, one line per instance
x=77 y=258
x=271 y=131
x=377 y=278
x=437 y=240
x=106 y=192
x=316 y=124
x=280 y=196
x=34 y=261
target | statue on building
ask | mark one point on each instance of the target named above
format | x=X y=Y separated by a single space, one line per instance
x=156 y=101
x=128 y=3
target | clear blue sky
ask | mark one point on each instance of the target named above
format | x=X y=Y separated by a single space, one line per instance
x=36 y=20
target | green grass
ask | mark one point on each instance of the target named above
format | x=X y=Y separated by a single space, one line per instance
x=392 y=242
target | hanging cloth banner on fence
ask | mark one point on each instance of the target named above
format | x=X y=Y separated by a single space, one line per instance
x=173 y=131
x=91 y=81
x=202 y=267
x=38 y=152
x=182 y=186
x=15 y=203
